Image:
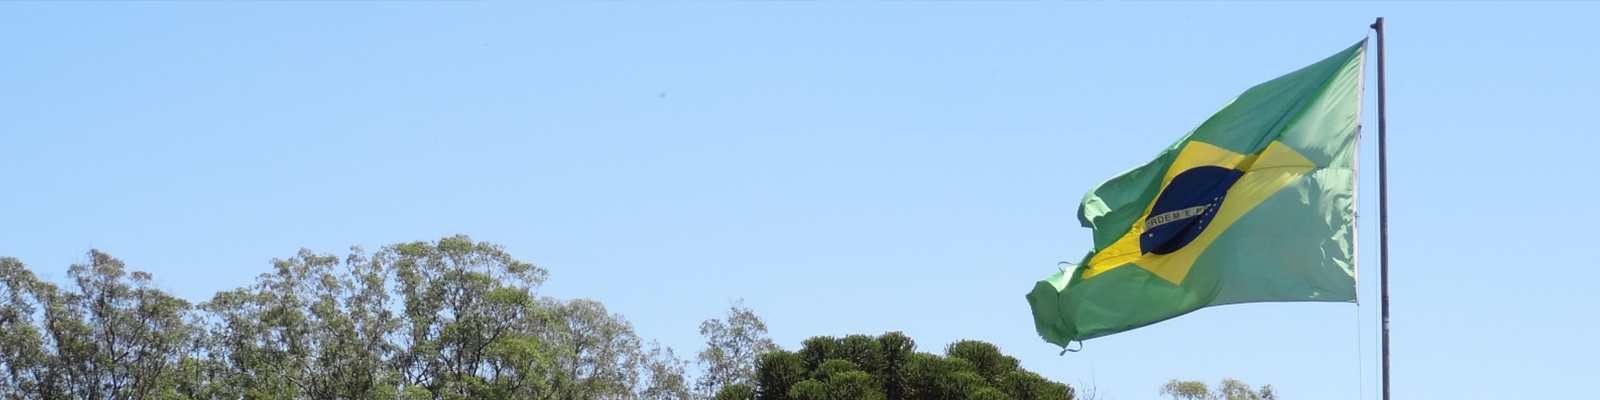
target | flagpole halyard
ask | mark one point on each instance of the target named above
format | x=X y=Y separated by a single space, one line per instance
x=1383 y=212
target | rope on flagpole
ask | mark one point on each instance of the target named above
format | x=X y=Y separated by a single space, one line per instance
x=1065 y=350
x=1361 y=370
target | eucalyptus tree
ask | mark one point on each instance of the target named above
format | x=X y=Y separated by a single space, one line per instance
x=315 y=327
x=469 y=312
x=447 y=319
x=664 y=375
x=23 y=357
x=733 y=345
x=1231 y=389
x=111 y=334
x=599 y=351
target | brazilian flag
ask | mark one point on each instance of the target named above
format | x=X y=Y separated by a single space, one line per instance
x=1256 y=204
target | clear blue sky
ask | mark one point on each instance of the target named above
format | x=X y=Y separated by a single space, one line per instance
x=843 y=167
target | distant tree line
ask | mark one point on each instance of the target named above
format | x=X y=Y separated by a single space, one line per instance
x=1231 y=389
x=448 y=319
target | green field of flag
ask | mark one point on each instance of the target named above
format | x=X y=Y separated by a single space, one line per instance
x=1255 y=204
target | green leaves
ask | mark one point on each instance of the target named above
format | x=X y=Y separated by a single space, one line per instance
x=733 y=346
x=735 y=392
x=451 y=319
x=888 y=367
x=985 y=357
x=1231 y=389
x=776 y=372
x=111 y=335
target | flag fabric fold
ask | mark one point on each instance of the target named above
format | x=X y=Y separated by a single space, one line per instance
x=1255 y=204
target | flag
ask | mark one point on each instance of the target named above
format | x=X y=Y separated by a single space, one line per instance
x=1256 y=204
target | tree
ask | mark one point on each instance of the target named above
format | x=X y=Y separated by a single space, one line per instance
x=776 y=372
x=599 y=351
x=985 y=357
x=889 y=367
x=733 y=346
x=665 y=379
x=306 y=329
x=449 y=319
x=737 y=391
x=111 y=335
x=23 y=357
x=1186 y=390
x=897 y=349
x=464 y=302
x=1231 y=389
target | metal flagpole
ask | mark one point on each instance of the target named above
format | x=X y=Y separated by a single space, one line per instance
x=1383 y=213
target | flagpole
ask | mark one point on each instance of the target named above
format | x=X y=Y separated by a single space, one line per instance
x=1383 y=213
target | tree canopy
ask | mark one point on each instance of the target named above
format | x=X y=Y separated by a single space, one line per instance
x=448 y=319
x=1231 y=389
x=732 y=345
x=888 y=367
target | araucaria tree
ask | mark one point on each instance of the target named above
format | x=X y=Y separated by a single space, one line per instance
x=888 y=367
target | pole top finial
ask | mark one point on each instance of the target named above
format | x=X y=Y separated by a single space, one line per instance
x=1378 y=24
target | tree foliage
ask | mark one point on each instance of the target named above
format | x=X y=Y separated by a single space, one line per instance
x=732 y=347
x=110 y=335
x=449 y=319
x=446 y=319
x=888 y=367
x=1231 y=389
